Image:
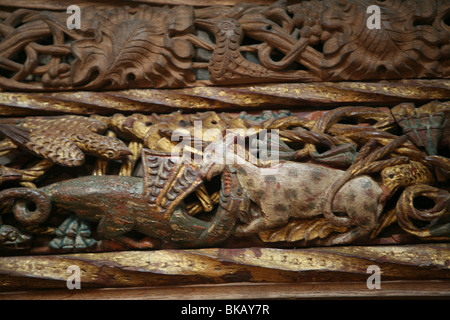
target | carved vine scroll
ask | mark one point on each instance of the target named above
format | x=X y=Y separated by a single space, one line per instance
x=181 y=46
x=351 y=175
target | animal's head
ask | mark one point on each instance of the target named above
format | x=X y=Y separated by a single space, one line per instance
x=133 y=127
x=228 y=27
x=393 y=177
x=213 y=162
x=215 y=156
x=12 y=238
x=109 y=148
x=232 y=196
x=404 y=175
x=211 y=125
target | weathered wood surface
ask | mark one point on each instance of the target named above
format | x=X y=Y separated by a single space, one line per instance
x=62 y=5
x=153 y=46
x=422 y=262
x=315 y=290
x=304 y=96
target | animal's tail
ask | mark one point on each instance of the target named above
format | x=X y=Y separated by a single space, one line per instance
x=327 y=202
x=366 y=161
x=25 y=199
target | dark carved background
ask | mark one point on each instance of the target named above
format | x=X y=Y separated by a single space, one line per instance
x=171 y=47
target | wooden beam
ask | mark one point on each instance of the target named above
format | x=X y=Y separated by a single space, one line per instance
x=389 y=289
x=294 y=96
x=165 y=268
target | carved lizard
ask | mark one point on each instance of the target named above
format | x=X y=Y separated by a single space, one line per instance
x=121 y=204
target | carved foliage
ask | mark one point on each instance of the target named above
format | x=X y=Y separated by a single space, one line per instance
x=405 y=46
x=115 y=48
x=297 y=230
x=161 y=47
x=133 y=46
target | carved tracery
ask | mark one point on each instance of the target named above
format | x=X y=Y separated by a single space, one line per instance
x=181 y=46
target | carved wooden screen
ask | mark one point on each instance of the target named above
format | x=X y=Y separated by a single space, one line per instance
x=159 y=144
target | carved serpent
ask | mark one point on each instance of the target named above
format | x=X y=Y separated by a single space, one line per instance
x=118 y=205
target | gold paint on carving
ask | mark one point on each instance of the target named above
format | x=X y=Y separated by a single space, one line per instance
x=297 y=230
x=404 y=175
x=379 y=152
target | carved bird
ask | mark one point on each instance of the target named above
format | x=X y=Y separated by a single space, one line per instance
x=227 y=65
x=64 y=140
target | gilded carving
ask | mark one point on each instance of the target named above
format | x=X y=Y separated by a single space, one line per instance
x=350 y=175
x=284 y=148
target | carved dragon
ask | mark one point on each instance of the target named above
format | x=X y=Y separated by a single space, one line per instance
x=152 y=206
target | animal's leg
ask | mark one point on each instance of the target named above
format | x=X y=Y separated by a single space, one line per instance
x=359 y=232
x=268 y=217
x=130 y=243
x=254 y=226
x=363 y=213
x=345 y=238
x=275 y=211
x=114 y=228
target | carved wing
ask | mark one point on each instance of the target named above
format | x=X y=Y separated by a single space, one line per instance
x=167 y=181
x=65 y=139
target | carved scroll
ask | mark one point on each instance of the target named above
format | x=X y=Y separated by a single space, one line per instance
x=182 y=46
x=352 y=175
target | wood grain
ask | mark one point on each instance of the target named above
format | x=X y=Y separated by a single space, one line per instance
x=62 y=5
x=389 y=289
x=222 y=266
x=301 y=96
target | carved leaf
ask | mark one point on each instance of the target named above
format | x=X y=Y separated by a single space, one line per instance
x=134 y=47
x=297 y=230
x=403 y=47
